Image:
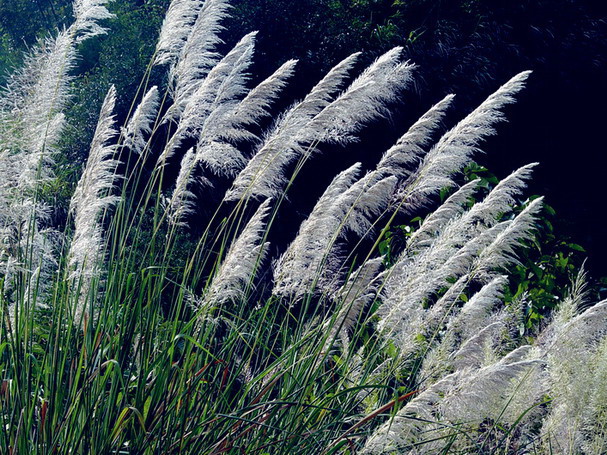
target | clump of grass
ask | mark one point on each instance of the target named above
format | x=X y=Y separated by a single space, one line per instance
x=162 y=319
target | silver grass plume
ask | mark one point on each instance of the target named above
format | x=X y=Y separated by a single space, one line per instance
x=415 y=418
x=328 y=87
x=574 y=349
x=369 y=196
x=223 y=125
x=216 y=147
x=485 y=213
x=567 y=310
x=593 y=424
x=274 y=150
x=485 y=393
x=88 y=13
x=91 y=199
x=480 y=257
x=297 y=133
x=503 y=196
x=224 y=83
x=449 y=210
x=409 y=149
x=182 y=203
x=346 y=206
x=368 y=199
x=238 y=268
x=216 y=114
x=360 y=289
x=176 y=28
x=474 y=351
x=256 y=104
x=457 y=326
x=475 y=312
x=366 y=99
x=298 y=267
x=32 y=103
x=140 y=124
x=491 y=250
x=464 y=397
x=454 y=150
x=501 y=252
x=198 y=55
x=31 y=123
x=456 y=244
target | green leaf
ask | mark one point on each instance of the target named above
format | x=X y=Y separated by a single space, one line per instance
x=576 y=247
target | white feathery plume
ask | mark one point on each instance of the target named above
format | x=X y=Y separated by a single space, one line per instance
x=226 y=123
x=321 y=95
x=416 y=279
x=463 y=238
x=303 y=126
x=198 y=55
x=297 y=269
x=454 y=150
x=207 y=118
x=91 y=198
x=87 y=14
x=275 y=152
x=346 y=206
x=368 y=198
x=573 y=351
x=449 y=210
x=445 y=326
x=473 y=351
x=35 y=269
x=418 y=416
x=474 y=313
x=466 y=259
x=327 y=88
x=32 y=105
x=140 y=123
x=182 y=202
x=567 y=310
x=360 y=289
x=572 y=345
x=255 y=106
x=501 y=252
x=503 y=197
x=446 y=306
x=484 y=394
x=464 y=397
x=452 y=234
x=176 y=28
x=237 y=270
x=485 y=213
x=366 y=99
x=31 y=123
x=594 y=422
x=222 y=87
x=215 y=147
x=415 y=320
x=409 y=149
